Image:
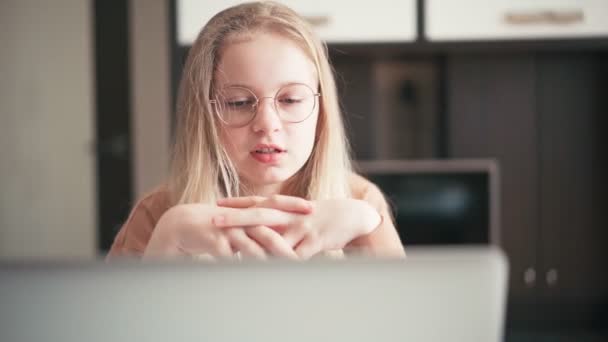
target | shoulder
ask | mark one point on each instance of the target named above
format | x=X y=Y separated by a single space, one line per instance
x=154 y=203
x=363 y=189
x=137 y=229
x=384 y=240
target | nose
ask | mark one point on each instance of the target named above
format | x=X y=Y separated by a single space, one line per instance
x=267 y=118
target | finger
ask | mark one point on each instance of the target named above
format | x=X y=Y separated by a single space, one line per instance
x=222 y=248
x=240 y=202
x=215 y=247
x=253 y=217
x=280 y=202
x=288 y=203
x=308 y=248
x=271 y=241
x=244 y=244
x=295 y=234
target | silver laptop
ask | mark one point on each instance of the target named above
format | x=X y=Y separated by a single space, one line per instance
x=435 y=295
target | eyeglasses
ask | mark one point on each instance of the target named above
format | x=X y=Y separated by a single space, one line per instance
x=237 y=106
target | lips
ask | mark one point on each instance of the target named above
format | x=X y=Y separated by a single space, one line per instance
x=268 y=153
x=268 y=148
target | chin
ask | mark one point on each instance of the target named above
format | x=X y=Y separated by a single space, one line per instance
x=274 y=177
x=269 y=177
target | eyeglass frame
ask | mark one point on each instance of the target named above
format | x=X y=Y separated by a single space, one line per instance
x=274 y=98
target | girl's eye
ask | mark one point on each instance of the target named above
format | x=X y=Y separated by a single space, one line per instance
x=290 y=100
x=240 y=103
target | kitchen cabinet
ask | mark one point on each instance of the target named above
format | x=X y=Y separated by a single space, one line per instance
x=480 y=20
x=543 y=116
x=335 y=21
x=381 y=95
x=572 y=113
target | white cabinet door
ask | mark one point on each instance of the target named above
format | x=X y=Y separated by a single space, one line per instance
x=466 y=20
x=337 y=21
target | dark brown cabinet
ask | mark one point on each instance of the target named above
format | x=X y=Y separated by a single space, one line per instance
x=543 y=116
x=572 y=107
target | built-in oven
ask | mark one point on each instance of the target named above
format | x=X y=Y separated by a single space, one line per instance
x=440 y=202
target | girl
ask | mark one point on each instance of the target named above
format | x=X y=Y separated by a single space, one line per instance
x=260 y=163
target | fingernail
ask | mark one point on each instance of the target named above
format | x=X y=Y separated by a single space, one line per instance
x=218 y=220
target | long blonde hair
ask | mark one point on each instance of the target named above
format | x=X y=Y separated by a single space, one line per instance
x=201 y=170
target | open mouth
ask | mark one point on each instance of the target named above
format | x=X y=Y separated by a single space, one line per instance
x=268 y=153
x=269 y=150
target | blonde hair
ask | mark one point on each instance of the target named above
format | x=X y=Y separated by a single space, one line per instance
x=201 y=170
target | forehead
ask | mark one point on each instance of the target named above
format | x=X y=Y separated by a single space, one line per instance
x=264 y=62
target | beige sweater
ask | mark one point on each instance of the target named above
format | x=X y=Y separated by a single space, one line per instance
x=134 y=235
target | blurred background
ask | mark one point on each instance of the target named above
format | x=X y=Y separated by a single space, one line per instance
x=492 y=114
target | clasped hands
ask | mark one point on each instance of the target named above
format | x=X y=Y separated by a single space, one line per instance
x=292 y=227
x=262 y=227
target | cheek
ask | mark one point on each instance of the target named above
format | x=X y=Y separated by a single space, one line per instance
x=306 y=136
x=231 y=139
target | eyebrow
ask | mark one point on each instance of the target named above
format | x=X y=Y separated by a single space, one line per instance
x=242 y=85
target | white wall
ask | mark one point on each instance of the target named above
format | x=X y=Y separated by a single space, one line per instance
x=47 y=175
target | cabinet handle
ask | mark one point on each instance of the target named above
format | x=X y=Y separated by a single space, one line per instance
x=318 y=20
x=551 y=277
x=545 y=17
x=530 y=277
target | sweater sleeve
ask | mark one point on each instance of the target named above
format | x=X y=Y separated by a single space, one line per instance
x=135 y=233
